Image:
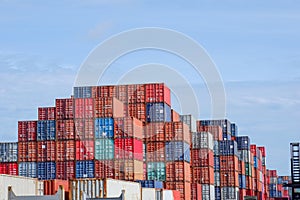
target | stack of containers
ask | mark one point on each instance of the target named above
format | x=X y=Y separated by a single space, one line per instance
x=178 y=158
x=27 y=148
x=257 y=175
x=203 y=163
x=273 y=183
x=46 y=143
x=245 y=170
x=282 y=180
x=65 y=135
x=9 y=158
x=264 y=172
x=216 y=131
x=229 y=174
x=224 y=123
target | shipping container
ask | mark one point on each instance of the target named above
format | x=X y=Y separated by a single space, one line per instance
x=216 y=148
x=65 y=129
x=202 y=158
x=158 y=112
x=156 y=171
x=178 y=151
x=106 y=107
x=28 y=169
x=65 y=170
x=224 y=123
x=128 y=148
x=47 y=113
x=177 y=131
x=64 y=108
x=107 y=188
x=128 y=127
x=46 y=170
x=84 y=108
x=202 y=140
x=229 y=178
x=84 y=169
x=229 y=163
x=217 y=179
x=229 y=193
x=208 y=192
x=263 y=151
x=203 y=175
x=103 y=91
x=65 y=150
x=84 y=129
x=27 y=131
x=84 y=150
x=183 y=187
x=9 y=168
x=175 y=117
x=216 y=131
x=178 y=171
x=234 y=130
x=20 y=186
x=27 y=152
x=137 y=110
x=104 y=169
x=190 y=121
x=104 y=149
x=218 y=193
x=196 y=191
x=154 y=132
x=104 y=128
x=151 y=184
x=129 y=170
x=46 y=151
x=46 y=130
x=149 y=193
x=136 y=93
x=8 y=152
x=217 y=163
x=242 y=181
x=51 y=187
x=158 y=92
x=83 y=92
x=155 y=151
x=244 y=155
x=228 y=147
x=122 y=93
x=243 y=142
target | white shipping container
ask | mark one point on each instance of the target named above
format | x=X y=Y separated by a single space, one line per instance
x=115 y=187
x=244 y=155
x=208 y=192
x=148 y=194
x=217 y=179
x=20 y=185
x=190 y=121
x=167 y=195
x=229 y=193
x=202 y=140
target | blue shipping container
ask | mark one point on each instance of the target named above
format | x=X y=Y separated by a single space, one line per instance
x=226 y=136
x=255 y=162
x=217 y=163
x=151 y=184
x=46 y=130
x=104 y=128
x=217 y=193
x=228 y=147
x=234 y=130
x=28 y=169
x=242 y=181
x=46 y=170
x=158 y=112
x=85 y=169
x=243 y=142
x=178 y=151
x=83 y=92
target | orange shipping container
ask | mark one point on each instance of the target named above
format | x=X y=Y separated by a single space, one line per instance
x=229 y=178
x=46 y=151
x=64 y=108
x=129 y=170
x=104 y=169
x=202 y=158
x=158 y=92
x=65 y=129
x=155 y=151
x=203 y=175
x=46 y=113
x=178 y=171
x=177 y=131
x=108 y=107
x=65 y=150
x=84 y=129
x=137 y=110
x=27 y=151
x=196 y=191
x=128 y=127
x=84 y=108
x=65 y=170
x=216 y=131
x=183 y=187
x=154 y=132
x=136 y=93
x=175 y=117
x=229 y=163
x=51 y=186
x=103 y=91
x=242 y=167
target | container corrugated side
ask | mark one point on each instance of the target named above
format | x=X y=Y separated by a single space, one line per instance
x=148 y=194
x=156 y=171
x=104 y=128
x=46 y=130
x=9 y=152
x=46 y=170
x=104 y=149
x=28 y=169
x=190 y=121
x=158 y=112
x=178 y=151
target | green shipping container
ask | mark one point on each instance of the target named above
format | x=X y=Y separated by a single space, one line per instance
x=248 y=169
x=104 y=149
x=156 y=171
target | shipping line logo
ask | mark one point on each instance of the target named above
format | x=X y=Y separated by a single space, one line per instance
x=105 y=54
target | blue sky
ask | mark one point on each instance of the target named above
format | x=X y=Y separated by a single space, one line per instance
x=255 y=45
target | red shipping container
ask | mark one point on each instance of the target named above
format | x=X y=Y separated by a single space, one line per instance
x=229 y=163
x=128 y=148
x=84 y=129
x=65 y=170
x=27 y=152
x=249 y=184
x=216 y=131
x=137 y=110
x=263 y=151
x=104 y=91
x=203 y=175
x=155 y=151
x=158 y=92
x=196 y=191
x=253 y=149
x=249 y=192
x=242 y=193
x=229 y=178
x=154 y=132
x=9 y=168
x=46 y=151
x=27 y=131
x=65 y=129
x=65 y=150
x=104 y=169
x=177 y=131
x=242 y=167
x=178 y=171
x=122 y=93
x=64 y=108
x=272 y=173
x=51 y=187
x=136 y=93
x=84 y=108
x=108 y=107
x=84 y=150
x=128 y=127
x=46 y=113
x=202 y=158
x=129 y=170
x=175 y=117
x=183 y=187
x=176 y=194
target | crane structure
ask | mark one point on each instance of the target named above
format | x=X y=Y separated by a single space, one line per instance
x=295 y=170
